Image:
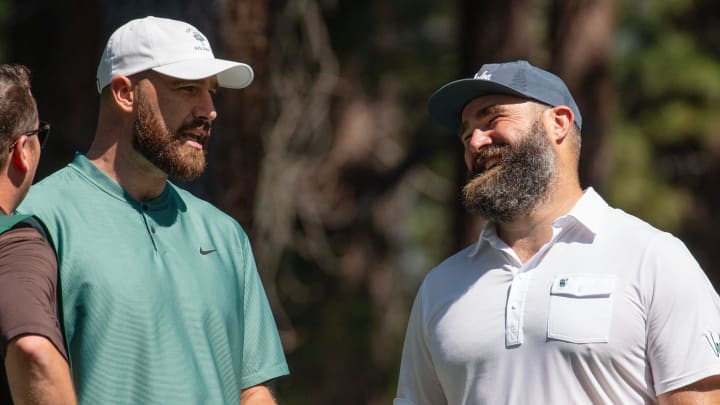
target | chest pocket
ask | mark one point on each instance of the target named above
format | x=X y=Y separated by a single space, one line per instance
x=581 y=308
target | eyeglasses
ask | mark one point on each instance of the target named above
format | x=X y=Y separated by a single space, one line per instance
x=42 y=132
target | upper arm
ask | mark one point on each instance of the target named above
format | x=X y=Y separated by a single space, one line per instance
x=418 y=382
x=28 y=288
x=29 y=351
x=705 y=391
x=37 y=373
x=263 y=356
x=683 y=317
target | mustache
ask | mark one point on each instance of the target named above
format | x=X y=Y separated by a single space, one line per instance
x=198 y=123
x=501 y=151
x=492 y=151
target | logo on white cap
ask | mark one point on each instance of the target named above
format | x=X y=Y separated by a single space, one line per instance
x=200 y=38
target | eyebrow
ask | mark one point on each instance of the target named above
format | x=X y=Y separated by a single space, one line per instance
x=178 y=82
x=213 y=86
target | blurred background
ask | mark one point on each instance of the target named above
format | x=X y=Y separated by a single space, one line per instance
x=330 y=162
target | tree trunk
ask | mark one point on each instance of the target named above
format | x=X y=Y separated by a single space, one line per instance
x=237 y=147
x=581 y=45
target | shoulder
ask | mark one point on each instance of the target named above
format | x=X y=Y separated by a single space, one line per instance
x=456 y=271
x=55 y=199
x=21 y=234
x=626 y=221
x=21 y=228
x=49 y=192
x=455 y=263
x=610 y=224
x=204 y=211
x=634 y=233
x=636 y=243
x=24 y=249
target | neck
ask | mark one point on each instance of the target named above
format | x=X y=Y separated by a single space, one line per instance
x=10 y=198
x=13 y=187
x=527 y=234
x=7 y=208
x=116 y=157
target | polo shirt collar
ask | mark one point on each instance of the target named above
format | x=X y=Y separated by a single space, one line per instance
x=96 y=176
x=589 y=211
x=586 y=212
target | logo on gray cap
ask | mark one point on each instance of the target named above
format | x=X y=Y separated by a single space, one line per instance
x=483 y=76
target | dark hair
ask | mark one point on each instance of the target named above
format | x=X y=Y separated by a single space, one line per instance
x=18 y=110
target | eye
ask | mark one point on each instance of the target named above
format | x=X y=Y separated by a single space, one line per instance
x=464 y=135
x=190 y=90
x=492 y=121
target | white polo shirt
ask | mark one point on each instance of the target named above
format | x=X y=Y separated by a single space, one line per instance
x=609 y=311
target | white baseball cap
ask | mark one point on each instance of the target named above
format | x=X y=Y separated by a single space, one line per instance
x=173 y=48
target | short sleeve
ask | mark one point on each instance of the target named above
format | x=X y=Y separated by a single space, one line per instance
x=28 y=288
x=263 y=355
x=683 y=317
x=418 y=383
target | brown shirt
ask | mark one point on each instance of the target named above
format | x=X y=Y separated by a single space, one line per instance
x=28 y=293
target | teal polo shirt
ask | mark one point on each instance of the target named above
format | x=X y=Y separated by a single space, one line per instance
x=161 y=299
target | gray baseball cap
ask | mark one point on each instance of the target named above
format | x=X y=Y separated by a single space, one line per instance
x=518 y=78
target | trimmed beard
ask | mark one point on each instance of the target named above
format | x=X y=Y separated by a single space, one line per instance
x=167 y=151
x=520 y=180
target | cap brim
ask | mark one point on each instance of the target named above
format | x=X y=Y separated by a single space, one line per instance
x=232 y=75
x=445 y=105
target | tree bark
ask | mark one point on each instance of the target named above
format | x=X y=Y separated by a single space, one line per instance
x=237 y=147
x=581 y=45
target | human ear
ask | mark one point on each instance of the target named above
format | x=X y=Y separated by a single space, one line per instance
x=121 y=90
x=561 y=122
x=19 y=156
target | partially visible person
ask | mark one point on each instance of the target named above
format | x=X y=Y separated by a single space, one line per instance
x=563 y=299
x=34 y=369
x=162 y=302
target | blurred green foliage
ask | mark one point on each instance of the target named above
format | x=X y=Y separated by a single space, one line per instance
x=668 y=84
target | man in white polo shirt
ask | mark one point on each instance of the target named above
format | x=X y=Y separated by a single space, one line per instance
x=563 y=299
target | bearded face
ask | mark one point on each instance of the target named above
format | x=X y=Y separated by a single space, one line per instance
x=513 y=179
x=165 y=148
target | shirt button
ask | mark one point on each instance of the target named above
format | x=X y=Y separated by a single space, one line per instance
x=152 y=229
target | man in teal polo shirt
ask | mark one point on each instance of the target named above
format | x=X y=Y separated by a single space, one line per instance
x=162 y=301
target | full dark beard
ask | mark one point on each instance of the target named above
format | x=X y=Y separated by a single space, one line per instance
x=165 y=150
x=517 y=184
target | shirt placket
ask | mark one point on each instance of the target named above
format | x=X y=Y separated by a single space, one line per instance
x=149 y=225
x=515 y=309
x=522 y=276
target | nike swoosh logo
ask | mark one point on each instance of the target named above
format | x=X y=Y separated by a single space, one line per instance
x=207 y=252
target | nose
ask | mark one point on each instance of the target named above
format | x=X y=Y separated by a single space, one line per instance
x=479 y=139
x=205 y=109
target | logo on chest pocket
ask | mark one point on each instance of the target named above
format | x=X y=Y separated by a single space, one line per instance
x=581 y=308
